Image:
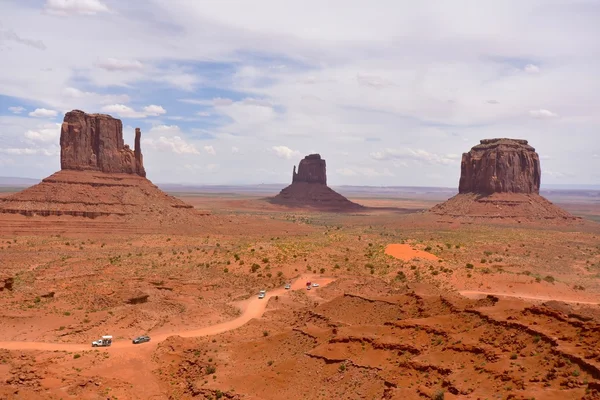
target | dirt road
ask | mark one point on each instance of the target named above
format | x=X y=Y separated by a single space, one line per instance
x=251 y=308
x=476 y=294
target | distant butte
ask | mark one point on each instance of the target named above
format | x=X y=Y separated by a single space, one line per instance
x=100 y=176
x=500 y=179
x=309 y=188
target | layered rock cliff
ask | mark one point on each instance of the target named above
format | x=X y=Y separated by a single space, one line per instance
x=500 y=166
x=95 y=142
x=500 y=180
x=100 y=177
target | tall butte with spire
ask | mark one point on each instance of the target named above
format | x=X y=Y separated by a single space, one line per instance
x=500 y=179
x=309 y=188
x=100 y=176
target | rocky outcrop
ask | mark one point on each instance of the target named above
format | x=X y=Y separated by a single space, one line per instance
x=500 y=181
x=100 y=178
x=312 y=169
x=309 y=188
x=95 y=142
x=500 y=166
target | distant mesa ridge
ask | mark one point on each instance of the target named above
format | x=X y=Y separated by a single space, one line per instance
x=309 y=188
x=500 y=179
x=100 y=176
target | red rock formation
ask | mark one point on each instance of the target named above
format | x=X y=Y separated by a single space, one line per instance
x=500 y=180
x=312 y=169
x=500 y=166
x=100 y=177
x=95 y=142
x=309 y=188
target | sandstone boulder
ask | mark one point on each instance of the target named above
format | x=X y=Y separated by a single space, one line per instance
x=500 y=166
x=95 y=142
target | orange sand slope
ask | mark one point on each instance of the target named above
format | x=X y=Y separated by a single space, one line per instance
x=406 y=252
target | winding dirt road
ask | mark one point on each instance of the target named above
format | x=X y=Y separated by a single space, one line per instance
x=474 y=294
x=251 y=308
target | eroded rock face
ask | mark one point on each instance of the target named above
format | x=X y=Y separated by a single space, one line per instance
x=95 y=142
x=500 y=166
x=312 y=169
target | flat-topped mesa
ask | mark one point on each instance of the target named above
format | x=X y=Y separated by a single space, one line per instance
x=312 y=169
x=500 y=166
x=95 y=142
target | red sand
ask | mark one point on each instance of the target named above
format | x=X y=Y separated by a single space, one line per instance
x=406 y=252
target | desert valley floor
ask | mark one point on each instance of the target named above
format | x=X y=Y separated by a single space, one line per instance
x=410 y=306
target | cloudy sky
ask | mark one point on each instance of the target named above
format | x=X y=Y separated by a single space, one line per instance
x=389 y=92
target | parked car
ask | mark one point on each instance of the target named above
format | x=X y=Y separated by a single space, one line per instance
x=307 y=287
x=288 y=286
x=315 y=285
x=141 y=339
x=105 y=341
x=261 y=294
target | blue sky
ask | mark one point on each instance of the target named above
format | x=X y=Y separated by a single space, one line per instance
x=233 y=92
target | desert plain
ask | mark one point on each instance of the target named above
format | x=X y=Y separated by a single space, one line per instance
x=410 y=305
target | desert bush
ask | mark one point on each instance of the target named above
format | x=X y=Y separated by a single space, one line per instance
x=76 y=356
x=428 y=248
x=470 y=266
x=210 y=369
x=549 y=278
x=438 y=395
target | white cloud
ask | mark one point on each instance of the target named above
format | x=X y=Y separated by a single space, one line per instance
x=114 y=64
x=418 y=155
x=234 y=150
x=285 y=152
x=532 y=69
x=154 y=110
x=29 y=151
x=346 y=172
x=43 y=113
x=542 y=114
x=210 y=150
x=16 y=110
x=173 y=144
x=91 y=97
x=45 y=133
x=165 y=129
x=10 y=35
x=127 y=112
x=364 y=171
x=72 y=7
x=203 y=114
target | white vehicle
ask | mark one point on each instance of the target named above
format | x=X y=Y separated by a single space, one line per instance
x=261 y=294
x=315 y=285
x=104 y=342
x=288 y=286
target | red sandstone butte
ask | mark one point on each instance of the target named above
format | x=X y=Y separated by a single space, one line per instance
x=100 y=176
x=500 y=166
x=95 y=142
x=309 y=188
x=500 y=179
